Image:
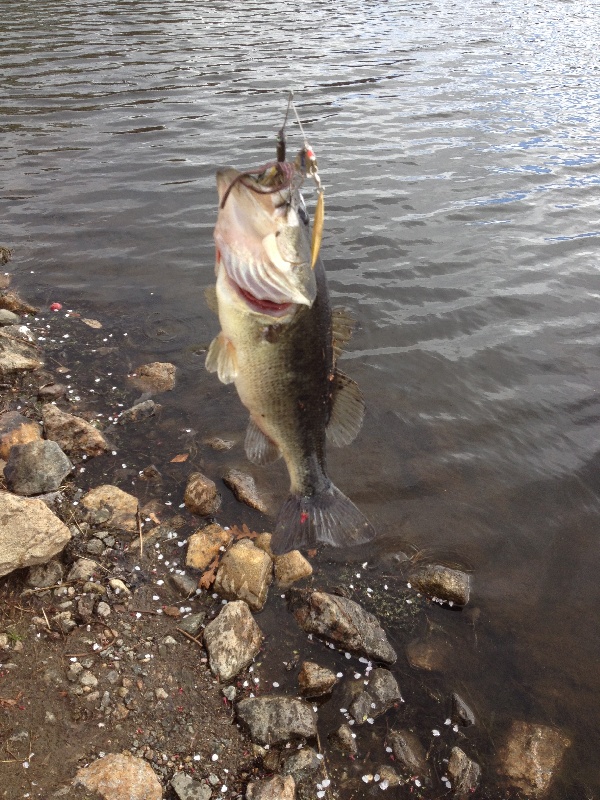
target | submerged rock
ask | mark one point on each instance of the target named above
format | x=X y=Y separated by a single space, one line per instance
x=315 y=680
x=139 y=412
x=159 y=376
x=341 y=621
x=245 y=573
x=74 y=435
x=409 y=752
x=430 y=652
x=274 y=720
x=121 y=507
x=205 y=544
x=531 y=755
x=443 y=583
x=36 y=468
x=382 y=693
x=201 y=496
x=16 y=429
x=276 y=788
x=30 y=533
x=120 y=777
x=307 y=770
x=344 y=739
x=461 y=712
x=232 y=640
x=244 y=489
x=464 y=773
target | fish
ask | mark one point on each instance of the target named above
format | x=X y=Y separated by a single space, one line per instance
x=279 y=344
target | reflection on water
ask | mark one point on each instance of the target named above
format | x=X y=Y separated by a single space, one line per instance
x=459 y=147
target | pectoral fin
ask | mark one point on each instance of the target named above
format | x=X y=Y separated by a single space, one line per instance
x=259 y=448
x=347 y=412
x=221 y=358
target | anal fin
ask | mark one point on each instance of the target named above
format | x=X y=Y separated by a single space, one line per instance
x=259 y=448
x=347 y=411
x=221 y=359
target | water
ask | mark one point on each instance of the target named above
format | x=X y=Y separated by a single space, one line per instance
x=459 y=148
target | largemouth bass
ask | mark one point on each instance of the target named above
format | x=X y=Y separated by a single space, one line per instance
x=278 y=343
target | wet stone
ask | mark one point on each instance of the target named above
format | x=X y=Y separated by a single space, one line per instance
x=8 y=317
x=290 y=568
x=232 y=640
x=36 y=467
x=461 y=712
x=409 y=752
x=450 y=585
x=244 y=489
x=464 y=773
x=276 y=788
x=245 y=573
x=205 y=545
x=120 y=508
x=307 y=769
x=16 y=356
x=158 y=376
x=273 y=720
x=139 y=412
x=389 y=778
x=315 y=680
x=344 y=739
x=74 y=435
x=430 y=653
x=16 y=429
x=201 y=496
x=184 y=584
x=531 y=755
x=382 y=693
x=343 y=622
x=52 y=391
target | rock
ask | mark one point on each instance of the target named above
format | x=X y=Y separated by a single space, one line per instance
x=30 y=533
x=8 y=317
x=342 y=621
x=219 y=444
x=17 y=356
x=52 y=391
x=120 y=777
x=13 y=302
x=117 y=585
x=461 y=712
x=64 y=621
x=531 y=755
x=245 y=573
x=139 y=412
x=74 y=435
x=307 y=770
x=82 y=570
x=16 y=429
x=344 y=740
x=158 y=376
x=121 y=507
x=201 y=496
x=186 y=788
x=193 y=623
x=43 y=575
x=244 y=489
x=184 y=584
x=95 y=547
x=382 y=693
x=389 y=778
x=315 y=680
x=274 y=720
x=409 y=752
x=232 y=640
x=464 y=773
x=36 y=467
x=263 y=542
x=430 y=653
x=290 y=568
x=276 y=788
x=205 y=544
x=443 y=583
x=21 y=333
x=103 y=610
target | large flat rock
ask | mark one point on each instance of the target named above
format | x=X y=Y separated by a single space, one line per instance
x=273 y=720
x=531 y=755
x=232 y=640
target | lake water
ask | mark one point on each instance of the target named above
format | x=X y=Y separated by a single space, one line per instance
x=459 y=147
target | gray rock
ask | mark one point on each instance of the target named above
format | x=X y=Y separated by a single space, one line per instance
x=273 y=720
x=64 y=621
x=82 y=570
x=103 y=610
x=74 y=435
x=17 y=356
x=232 y=640
x=44 y=575
x=461 y=712
x=443 y=583
x=36 y=467
x=95 y=547
x=30 y=533
x=186 y=788
x=341 y=621
x=276 y=788
x=8 y=317
x=245 y=573
x=315 y=680
x=201 y=496
x=193 y=623
x=344 y=739
x=307 y=770
x=531 y=755
x=244 y=488
x=464 y=773
x=229 y=692
x=383 y=691
x=139 y=412
x=409 y=752
x=184 y=584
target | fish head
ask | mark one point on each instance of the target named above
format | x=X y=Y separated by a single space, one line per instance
x=262 y=238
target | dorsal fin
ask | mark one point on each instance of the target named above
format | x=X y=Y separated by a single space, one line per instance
x=210 y=295
x=347 y=411
x=342 y=325
x=221 y=358
x=259 y=448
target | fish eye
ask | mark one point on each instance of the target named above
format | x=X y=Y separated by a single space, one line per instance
x=302 y=214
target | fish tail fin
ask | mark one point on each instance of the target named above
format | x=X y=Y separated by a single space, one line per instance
x=325 y=518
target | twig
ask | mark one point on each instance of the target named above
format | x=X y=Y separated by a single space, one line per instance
x=190 y=637
x=138 y=517
x=46 y=618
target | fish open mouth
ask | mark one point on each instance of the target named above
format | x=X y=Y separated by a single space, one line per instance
x=262 y=305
